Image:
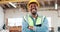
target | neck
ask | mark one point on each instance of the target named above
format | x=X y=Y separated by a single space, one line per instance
x=34 y=16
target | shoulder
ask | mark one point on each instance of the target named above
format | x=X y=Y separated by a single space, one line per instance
x=42 y=16
x=25 y=17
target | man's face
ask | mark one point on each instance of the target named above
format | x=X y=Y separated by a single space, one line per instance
x=33 y=9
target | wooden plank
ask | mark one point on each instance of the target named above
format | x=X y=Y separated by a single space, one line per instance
x=5 y=2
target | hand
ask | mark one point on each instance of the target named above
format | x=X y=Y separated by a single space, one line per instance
x=31 y=27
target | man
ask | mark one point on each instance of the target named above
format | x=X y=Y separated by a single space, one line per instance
x=33 y=22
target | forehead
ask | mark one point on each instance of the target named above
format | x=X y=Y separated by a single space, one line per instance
x=33 y=5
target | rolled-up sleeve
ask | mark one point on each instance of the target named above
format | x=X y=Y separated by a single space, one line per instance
x=43 y=28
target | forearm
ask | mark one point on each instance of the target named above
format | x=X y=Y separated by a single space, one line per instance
x=43 y=28
x=25 y=30
x=25 y=27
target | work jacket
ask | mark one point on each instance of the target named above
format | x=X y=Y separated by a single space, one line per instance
x=40 y=24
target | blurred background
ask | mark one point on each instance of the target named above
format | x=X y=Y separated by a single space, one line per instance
x=11 y=10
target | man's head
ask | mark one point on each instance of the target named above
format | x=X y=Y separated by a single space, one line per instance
x=33 y=6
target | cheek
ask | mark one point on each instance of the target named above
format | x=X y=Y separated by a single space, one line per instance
x=36 y=8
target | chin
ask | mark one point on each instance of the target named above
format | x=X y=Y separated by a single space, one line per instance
x=34 y=13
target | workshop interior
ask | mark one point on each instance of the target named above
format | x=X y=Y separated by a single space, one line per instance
x=12 y=12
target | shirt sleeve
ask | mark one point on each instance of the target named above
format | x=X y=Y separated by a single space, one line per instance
x=25 y=27
x=43 y=28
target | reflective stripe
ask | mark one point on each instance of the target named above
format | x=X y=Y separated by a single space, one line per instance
x=25 y=18
x=30 y=21
x=39 y=20
x=43 y=17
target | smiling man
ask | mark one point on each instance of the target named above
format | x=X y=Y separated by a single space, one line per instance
x=33 y=22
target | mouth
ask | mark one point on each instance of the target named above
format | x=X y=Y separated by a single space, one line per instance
x=34 y=12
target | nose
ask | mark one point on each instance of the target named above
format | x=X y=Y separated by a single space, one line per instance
x=33 y=10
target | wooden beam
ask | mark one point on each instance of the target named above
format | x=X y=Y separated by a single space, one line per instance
x=7 y=1
x=4 y=2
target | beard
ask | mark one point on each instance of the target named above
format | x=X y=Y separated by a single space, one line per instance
x=34 y=13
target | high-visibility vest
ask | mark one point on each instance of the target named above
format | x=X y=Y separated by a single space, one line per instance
x=30 y=21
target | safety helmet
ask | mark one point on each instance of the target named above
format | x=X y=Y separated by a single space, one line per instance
x=32 y=1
